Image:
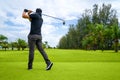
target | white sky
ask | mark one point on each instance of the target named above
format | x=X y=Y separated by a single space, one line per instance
x=14 y=26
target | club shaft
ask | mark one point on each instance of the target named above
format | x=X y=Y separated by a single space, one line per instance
x=53 y=17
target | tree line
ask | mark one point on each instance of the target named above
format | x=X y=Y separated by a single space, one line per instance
x=19 y=44
x=98 y=28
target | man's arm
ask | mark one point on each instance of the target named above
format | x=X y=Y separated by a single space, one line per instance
x=26 y=14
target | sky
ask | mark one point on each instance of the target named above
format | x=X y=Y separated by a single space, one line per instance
x=13 y=26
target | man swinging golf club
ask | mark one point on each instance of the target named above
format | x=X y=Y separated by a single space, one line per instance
x=34 y=37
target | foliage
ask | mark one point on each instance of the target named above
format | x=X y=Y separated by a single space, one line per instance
x=96 y=29
x=3 y=41
x=21 y=44
x=18 y=44
x=3 y=38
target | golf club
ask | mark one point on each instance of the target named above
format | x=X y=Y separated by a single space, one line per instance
x=26 y=10
x=55 y=18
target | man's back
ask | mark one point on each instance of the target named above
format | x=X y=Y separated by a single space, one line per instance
x=36 y=23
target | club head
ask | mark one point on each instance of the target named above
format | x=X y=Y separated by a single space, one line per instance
x=63 y=22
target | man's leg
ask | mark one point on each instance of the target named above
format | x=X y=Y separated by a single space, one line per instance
x=48 y=62
x=41 y=50
x=31 y=43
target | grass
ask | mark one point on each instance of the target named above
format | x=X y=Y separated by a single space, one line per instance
x=68 y=65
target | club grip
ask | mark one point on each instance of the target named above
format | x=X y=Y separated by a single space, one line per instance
x=25 y=10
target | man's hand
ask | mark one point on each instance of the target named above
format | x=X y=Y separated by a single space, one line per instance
x=26 y=13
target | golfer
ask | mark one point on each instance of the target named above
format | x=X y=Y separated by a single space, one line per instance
x=34 y=37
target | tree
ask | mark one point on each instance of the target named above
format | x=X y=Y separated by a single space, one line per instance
x=3 y=41
x=3 y=38
x=115 y=34
x=46 y=44
x=63 y=43
x=5 y=45
x=21 y=44
x=13 y=45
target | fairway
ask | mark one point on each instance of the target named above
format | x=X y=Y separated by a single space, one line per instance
x=68 y=65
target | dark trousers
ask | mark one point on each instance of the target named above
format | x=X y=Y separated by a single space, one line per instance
x=32 y=41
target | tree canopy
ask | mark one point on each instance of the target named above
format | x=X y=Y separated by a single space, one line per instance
x=98 y=28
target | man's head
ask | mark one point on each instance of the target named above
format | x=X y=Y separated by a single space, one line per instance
x=38 y=10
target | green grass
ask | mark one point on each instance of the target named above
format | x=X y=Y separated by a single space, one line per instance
x=68 y=65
